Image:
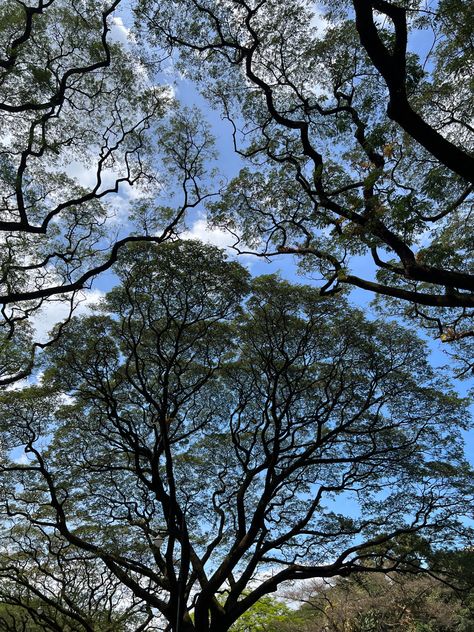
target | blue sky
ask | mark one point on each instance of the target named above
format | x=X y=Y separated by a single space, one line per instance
x=229 y=164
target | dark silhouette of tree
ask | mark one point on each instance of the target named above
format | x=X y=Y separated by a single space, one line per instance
x=48 y=585
x=204 y=444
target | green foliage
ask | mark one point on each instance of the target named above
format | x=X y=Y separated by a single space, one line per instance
x=373 y=603
x=345 y=155
x=267 y=613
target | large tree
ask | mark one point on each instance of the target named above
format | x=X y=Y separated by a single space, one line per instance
x=204 y=447
x=356 y=119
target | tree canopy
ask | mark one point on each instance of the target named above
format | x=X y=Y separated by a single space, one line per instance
x=376 y=603
x=353 y=119
x=87 y=137
x=203 y=439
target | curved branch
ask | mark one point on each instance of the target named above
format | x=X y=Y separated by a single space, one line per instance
x=392 y=67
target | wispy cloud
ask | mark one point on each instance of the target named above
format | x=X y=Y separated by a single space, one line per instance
x=54 y=312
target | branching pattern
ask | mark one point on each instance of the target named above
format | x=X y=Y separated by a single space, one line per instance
x=197 y=451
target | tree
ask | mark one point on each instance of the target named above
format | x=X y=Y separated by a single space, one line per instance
x=204 y=445
x=47 y=585
x=81 y=123
x=262 y=616
x=355 y=121
x=380 y=603
x=358 y=137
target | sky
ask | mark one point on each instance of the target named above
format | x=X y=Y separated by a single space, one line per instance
x=187 y=93
x=229 y=164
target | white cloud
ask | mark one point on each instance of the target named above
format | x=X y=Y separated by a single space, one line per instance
x=120 y=33
x=124 y=35
x=200 y=230
x=319 y=22
x=118 y=203
x=54 y=312
x=22 y=458
x=85 y=176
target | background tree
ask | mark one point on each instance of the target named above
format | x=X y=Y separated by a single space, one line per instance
x=48 y=585
x=355 y=120
x=204 y=450
x=380 y=603
x=262 y=616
